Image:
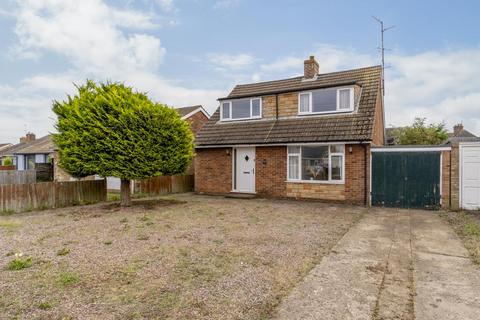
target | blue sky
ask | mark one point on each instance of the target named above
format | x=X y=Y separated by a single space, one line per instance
x=185 y=52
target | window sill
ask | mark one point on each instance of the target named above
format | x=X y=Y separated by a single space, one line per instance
x=326 y=112
x=316 y=181
x=240 y=119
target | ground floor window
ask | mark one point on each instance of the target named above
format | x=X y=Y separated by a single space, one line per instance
x=316 y=163
x=30 y=162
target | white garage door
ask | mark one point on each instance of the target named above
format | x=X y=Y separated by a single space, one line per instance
x=470 y=175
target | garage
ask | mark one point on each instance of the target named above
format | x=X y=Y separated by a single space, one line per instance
x=407 y=177
x=470 y=175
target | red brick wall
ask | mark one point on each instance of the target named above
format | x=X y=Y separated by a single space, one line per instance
x=355 y=173
x=271 y=171
x=445 y=179
x=213 y=170
x=455 y=177
x=197 y=121
x=213 y=174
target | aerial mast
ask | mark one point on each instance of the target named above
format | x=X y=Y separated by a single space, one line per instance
x=382 y=50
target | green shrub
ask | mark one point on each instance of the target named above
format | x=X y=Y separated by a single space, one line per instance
x=8 y=161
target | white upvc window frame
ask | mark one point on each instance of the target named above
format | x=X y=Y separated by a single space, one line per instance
x=352 y=98
x=309 y=93
x=337 y=107
x=330 y=155
x=230 y=106
x=222 y=103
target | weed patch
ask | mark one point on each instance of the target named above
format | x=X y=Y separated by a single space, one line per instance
x=63 y=252
x=143 y=237
x=67 y=278
x=45 y=306
x=10 y=225
x=467 y=227
x=19 y=263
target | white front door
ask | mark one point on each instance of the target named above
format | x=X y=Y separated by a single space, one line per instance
x=244 y=170
x=470 y=175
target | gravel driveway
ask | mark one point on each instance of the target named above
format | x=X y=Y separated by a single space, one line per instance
x=394 y=264
x=185 y=257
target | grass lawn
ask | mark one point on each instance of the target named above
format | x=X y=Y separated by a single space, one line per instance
x=184 y=257
x=467 y=226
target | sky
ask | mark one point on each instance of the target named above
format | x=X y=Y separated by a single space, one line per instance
x=188 y=52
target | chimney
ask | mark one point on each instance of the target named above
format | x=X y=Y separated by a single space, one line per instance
x=310 y=68
x=28 y=137
x=457 y=129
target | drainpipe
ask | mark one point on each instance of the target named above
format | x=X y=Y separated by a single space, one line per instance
x=365 y=146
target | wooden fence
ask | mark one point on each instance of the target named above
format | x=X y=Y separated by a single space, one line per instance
x=165 y=185
x=17 y=177
x=43 y=195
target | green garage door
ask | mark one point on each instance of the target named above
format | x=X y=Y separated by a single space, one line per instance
x=406 y=179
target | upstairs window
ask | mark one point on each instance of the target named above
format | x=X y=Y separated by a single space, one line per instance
x=241 y=109
x=329 y=100
x=226 y=107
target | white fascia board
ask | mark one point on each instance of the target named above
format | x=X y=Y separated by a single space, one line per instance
x=420 y=149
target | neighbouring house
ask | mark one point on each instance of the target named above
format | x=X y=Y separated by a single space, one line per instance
x=30 y=151
x=460 y=134
x=304 y=137
x=465 y=169
x=196 y=116
x=4 y=146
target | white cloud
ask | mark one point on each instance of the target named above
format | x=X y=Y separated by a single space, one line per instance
x=329 y=57
x=223 y=4
x=90 y=35
x=166 y=5
x=224 y=61
x=440 y=85
x=332 y=58
x=282 y=64
x=87 y=34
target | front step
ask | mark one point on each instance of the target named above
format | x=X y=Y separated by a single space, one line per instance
x=241 y=195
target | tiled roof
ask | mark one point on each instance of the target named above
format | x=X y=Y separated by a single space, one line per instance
x=186 y=110
x=41 y=145
x=357 y=126
x=462 y=136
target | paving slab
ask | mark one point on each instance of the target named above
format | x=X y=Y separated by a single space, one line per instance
x=394 y=264
x=447 y=282
x=345 y=285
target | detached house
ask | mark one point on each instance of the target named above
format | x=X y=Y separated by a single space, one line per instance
x=303 y=137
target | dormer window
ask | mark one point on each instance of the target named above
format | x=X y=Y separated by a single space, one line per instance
x=330 y=100
x=241 y=109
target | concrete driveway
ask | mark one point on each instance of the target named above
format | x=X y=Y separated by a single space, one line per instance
x=394 y=264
